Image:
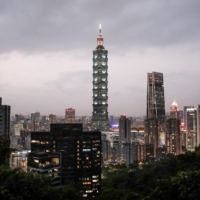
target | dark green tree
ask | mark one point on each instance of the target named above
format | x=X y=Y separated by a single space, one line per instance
x=5 y=151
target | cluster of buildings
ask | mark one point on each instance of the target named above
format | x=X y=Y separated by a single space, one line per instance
x=71 y=149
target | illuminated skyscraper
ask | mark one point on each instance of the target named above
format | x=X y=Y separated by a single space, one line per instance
x=173 y=132
x=155 y=96
x=69 y=115
x=100 y=86
x=155 y=123
x=174 y=110
x=185 y=115
x=191 y=115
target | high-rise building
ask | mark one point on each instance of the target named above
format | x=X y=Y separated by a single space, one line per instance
x=155 y=123
x=185 y=115
x=124 y=139
x=174 y=111
x=33 y=121
x=4 y=120
x=173 y=132
x=52 y=119
x=198 y=125
x=81 y=155
x=124 y=129
x=100 y=86
x=151 y=135
x=191 y=118
x=155 y=96
x=69 y=115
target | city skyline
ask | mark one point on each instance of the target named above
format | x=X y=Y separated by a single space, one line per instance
x=46 y=48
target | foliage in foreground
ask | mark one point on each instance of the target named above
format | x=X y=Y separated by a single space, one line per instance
x=19 y=185
x=5 y=151
x=177 y=177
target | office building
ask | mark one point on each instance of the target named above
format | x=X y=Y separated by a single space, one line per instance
x=106 y=148
x=69 y=115
x=154 y=132
x=137 y=152
x=191 y=131
x=155 y=96
x=173 y=136
x=174 y=111
x=33 y=122
x=81 y=154
x=124 y=139
x=124 y=129
x=52 y=119
x=198 y=125
x=100 y=119
x=151 y=135
x=173 y=132
x=185 y=115
x=4 y=120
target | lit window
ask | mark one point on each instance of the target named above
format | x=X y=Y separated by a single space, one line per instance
x=88 y=191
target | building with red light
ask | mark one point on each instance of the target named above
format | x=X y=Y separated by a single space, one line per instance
x=69 y=115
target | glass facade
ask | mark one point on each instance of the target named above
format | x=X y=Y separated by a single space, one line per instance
x=191 y=128
x=155 y=96
x=100 y=87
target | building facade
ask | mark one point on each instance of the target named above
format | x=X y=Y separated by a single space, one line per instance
x=155 y=96
x=81 y=154
x=198 y=125
x=100 y=119
x=191 y=118
x=154 y=132
x=4 y=120
x=70 y=115
x=124 y=139
x=173 y=131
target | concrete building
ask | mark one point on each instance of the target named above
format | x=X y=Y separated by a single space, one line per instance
x=124 y=139
x=4 y=120
x=81 y=154
x=52 y=119
x=198 y=125
x=70 y=115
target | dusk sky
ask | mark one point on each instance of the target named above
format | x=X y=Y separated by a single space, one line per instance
x=46 y=53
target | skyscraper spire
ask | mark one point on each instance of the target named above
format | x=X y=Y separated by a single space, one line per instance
x=100 y=86
x=100 y=39
x=100 y=30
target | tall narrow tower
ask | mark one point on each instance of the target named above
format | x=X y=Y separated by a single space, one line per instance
x=155 y=122
x=155 y=96
x=100 y=86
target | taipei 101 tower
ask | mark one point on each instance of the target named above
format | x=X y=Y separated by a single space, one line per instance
x=100 y=86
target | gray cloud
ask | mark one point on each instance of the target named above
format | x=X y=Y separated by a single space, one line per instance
x=141 y=36
x=73 y=81
x=43 y=26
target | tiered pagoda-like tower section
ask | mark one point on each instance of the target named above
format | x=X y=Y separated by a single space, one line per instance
x=100 y=86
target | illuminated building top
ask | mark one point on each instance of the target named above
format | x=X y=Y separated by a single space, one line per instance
x=100 y=86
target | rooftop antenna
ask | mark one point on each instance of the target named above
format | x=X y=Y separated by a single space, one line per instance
x=99 y=29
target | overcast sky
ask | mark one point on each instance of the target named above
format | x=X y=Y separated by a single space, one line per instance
x=46 y=53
